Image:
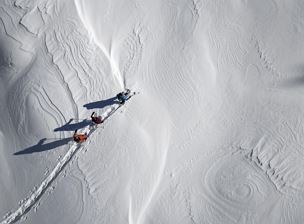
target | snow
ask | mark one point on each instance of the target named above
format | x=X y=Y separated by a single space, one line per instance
x=33 y=198
x=215 y=134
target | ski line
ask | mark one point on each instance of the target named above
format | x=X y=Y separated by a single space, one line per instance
x=37 y=194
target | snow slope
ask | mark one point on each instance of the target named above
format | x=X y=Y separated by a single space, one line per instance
x=215 y=135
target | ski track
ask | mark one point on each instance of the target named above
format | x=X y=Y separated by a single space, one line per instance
x=36 y=195
x=234 y=189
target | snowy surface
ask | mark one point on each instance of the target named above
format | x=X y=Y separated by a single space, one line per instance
x=215 y=134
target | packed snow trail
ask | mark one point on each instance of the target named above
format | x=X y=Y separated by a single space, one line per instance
x=34 y=197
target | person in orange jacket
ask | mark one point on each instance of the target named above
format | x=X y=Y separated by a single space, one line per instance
x=79 y=138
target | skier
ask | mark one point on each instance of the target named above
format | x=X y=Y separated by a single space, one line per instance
x=79 y=138
x=96 y=119
x=123 y=96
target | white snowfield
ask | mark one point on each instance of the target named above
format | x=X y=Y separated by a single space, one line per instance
x=34 y=197
x=215 y=136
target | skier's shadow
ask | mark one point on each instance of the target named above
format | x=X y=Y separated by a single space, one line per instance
x=102 y=103
x=40 y=146
x=72 y=127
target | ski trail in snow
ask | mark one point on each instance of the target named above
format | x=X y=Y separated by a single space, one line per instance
x=35 y=196
x=32 y=199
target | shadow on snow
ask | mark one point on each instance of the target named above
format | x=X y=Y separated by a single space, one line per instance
x=72 y=127
x=40 y=146
x=101 y=104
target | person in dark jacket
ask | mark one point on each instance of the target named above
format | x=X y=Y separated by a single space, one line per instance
x=96 y=119
x=123 y=96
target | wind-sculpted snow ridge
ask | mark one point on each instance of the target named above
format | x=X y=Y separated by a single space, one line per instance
x=115 y=71
x=76 y=58
x=284 y=177
x=36 y=195
x=235 y=188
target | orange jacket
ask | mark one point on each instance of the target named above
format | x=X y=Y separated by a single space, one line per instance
x=80 y=137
